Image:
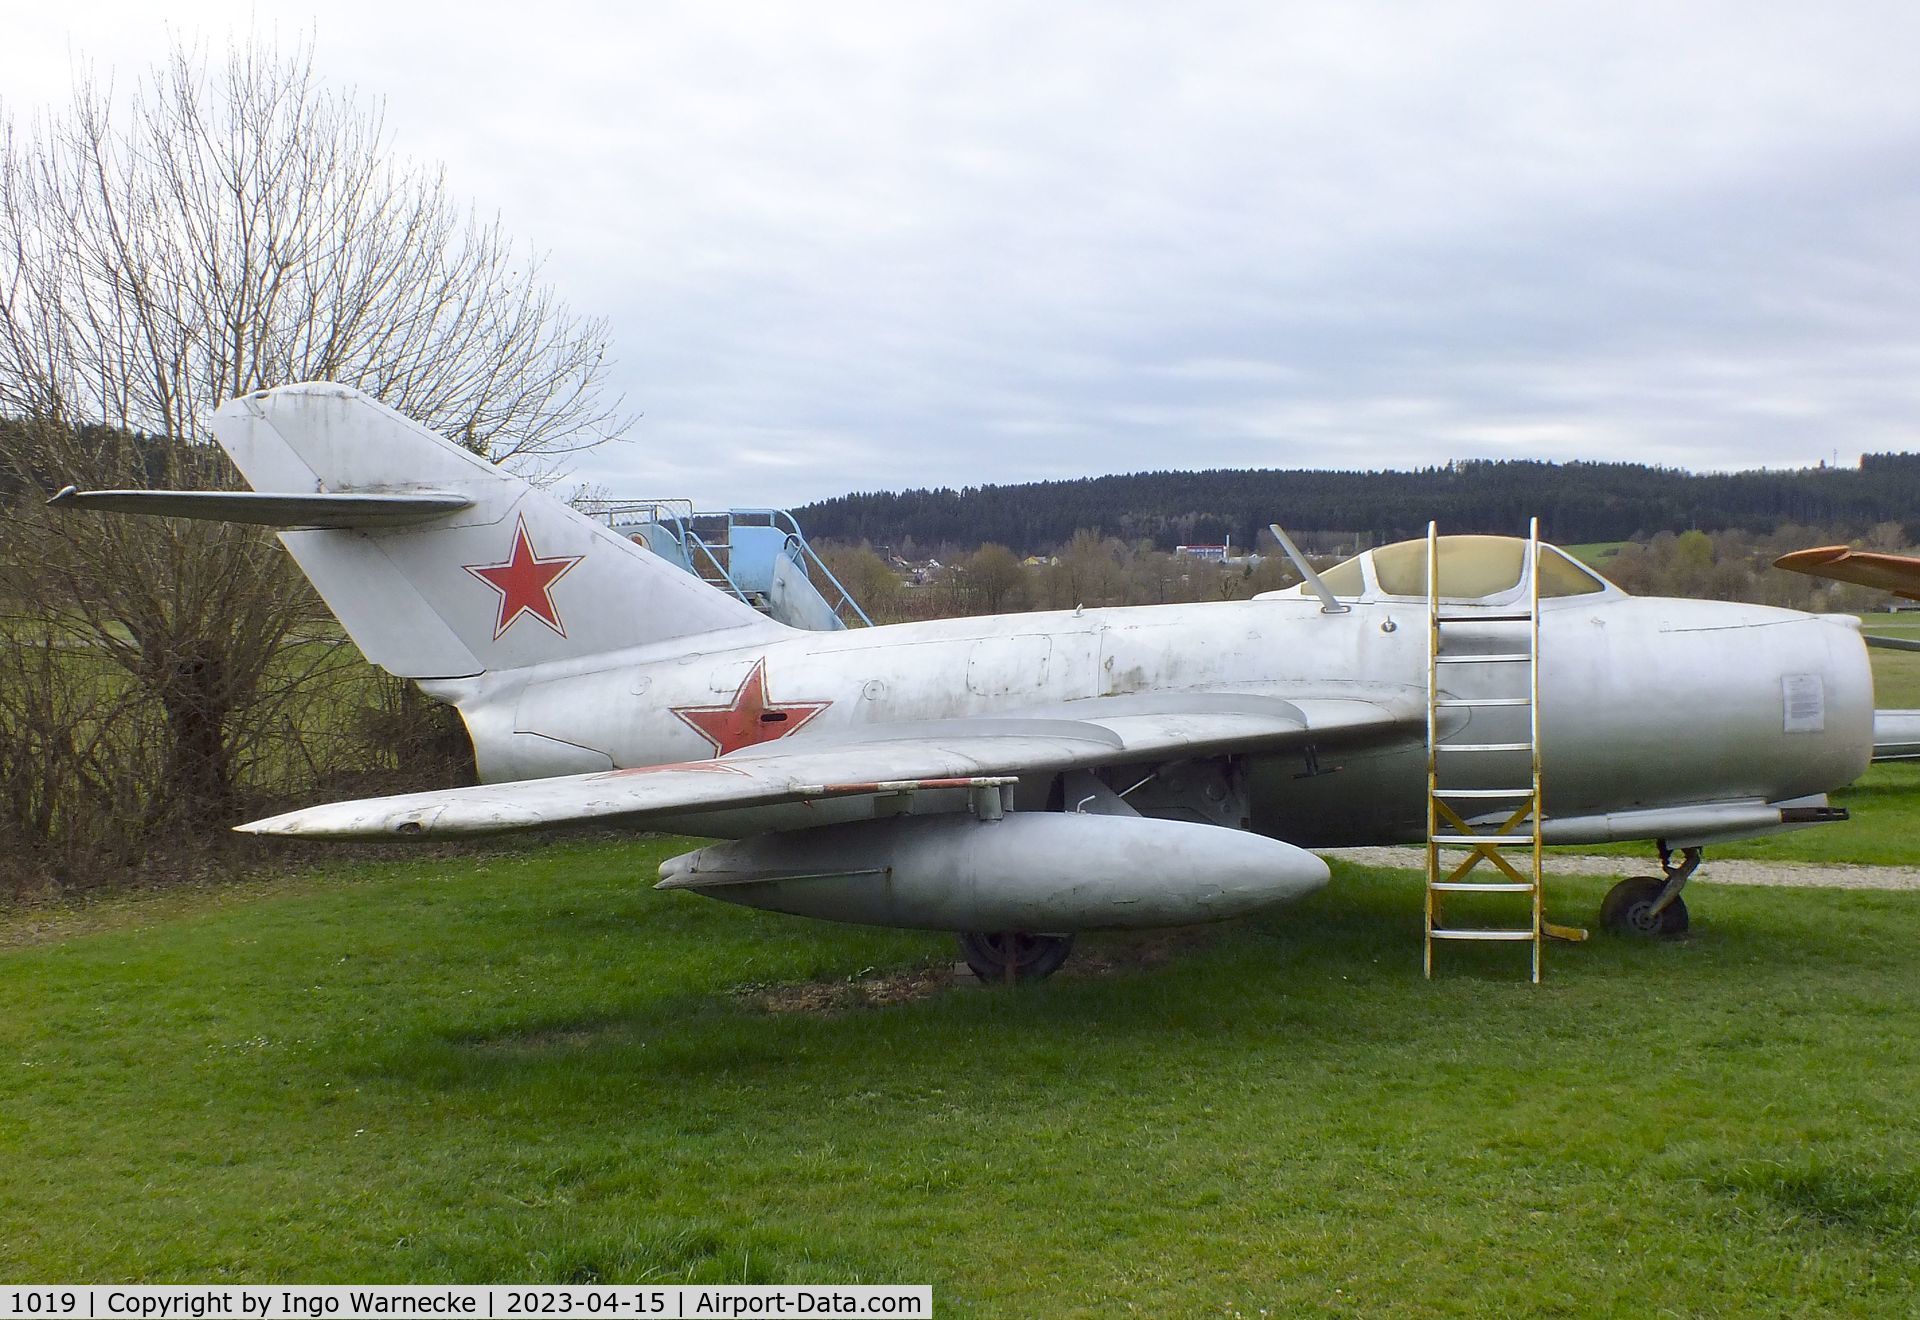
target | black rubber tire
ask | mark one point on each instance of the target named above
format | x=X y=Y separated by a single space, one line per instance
x=1628 y=910
x=1035 y=957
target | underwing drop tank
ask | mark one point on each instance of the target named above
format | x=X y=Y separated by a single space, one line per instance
x=1025 y=871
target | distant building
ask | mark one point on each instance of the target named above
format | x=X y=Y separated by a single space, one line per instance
x=920 y=574
x=1215 y=554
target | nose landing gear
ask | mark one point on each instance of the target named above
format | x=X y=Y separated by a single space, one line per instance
x=1651 y=906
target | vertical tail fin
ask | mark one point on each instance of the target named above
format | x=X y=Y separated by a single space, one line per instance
x=516 y=578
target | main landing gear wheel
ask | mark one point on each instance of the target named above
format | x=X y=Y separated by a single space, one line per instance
x=1629 y=909
x=1013 y=955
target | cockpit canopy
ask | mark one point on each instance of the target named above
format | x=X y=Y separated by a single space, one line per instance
x=1490 y=569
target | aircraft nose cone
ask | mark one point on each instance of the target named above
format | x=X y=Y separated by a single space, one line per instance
x=1824 y=717
x=1854 y=696
x=1668 y=700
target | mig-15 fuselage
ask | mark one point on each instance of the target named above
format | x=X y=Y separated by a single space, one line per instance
x=1031 y=774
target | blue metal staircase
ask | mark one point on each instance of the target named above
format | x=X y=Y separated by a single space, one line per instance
x=757 y=555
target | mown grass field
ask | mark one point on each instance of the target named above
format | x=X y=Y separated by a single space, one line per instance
x=1896 y=674
x=1595 y=554
x=530 y=1066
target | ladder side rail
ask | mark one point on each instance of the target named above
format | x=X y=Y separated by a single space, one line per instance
x=805 y=556
x=784 y=518
x=1484 y=843
x=802 y=557
x=1533 y=725
x=1533 y=714
x=1433 y=735
x=676 y=530
x=680 y=527
x=694 y=539
x=812 y=562
x=724 y=522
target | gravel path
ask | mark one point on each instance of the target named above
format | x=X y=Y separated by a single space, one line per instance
x=1713 y=871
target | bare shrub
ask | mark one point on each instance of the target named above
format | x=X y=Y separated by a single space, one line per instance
x=226 y=227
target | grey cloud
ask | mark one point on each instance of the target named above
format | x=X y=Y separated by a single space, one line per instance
x=894 y=245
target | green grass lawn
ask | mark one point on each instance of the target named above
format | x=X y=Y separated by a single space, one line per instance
x=1896 y=674
x=1896 y=679
x=530 y=1066
x=1891 y=625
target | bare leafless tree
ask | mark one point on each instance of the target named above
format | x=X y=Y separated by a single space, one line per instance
x=229 y=225
x=225 y=229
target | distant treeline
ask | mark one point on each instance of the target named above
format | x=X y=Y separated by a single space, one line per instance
x=1576 y=502
x=23 y=469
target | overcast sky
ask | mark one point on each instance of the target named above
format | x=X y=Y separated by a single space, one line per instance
x=874 y=246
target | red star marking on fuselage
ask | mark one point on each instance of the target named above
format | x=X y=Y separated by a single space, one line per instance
x=525 y=582
x=750 y=717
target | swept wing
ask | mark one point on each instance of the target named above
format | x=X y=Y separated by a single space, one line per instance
x=1899 y=574
x=934 y=754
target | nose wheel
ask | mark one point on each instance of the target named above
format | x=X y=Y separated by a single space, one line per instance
x=1013 y=955
x=1651 y=906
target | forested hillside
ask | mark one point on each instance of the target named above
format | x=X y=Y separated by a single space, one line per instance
x=1577 y=502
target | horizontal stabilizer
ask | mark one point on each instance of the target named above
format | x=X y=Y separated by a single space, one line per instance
x=271 y=509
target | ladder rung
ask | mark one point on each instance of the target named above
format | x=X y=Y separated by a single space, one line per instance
x=1483 y=792
x=1489 y=658
x=1481 y=934
x=1484 y=747
x=1497 y=840
x=1452 y=702
x=1481 y=887
x=1483 y=618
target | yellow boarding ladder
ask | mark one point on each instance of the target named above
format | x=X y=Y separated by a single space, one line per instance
x=1490 y=773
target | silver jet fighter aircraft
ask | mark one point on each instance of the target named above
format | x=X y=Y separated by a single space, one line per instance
x=1020 y=777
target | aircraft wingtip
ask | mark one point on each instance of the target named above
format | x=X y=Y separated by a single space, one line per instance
x=1818 y=557
x=289 y=823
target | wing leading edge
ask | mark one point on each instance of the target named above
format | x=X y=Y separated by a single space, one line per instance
x=1118 y=731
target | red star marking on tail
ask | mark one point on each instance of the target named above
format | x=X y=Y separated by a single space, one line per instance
x=750 y=717
x=525 y=582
